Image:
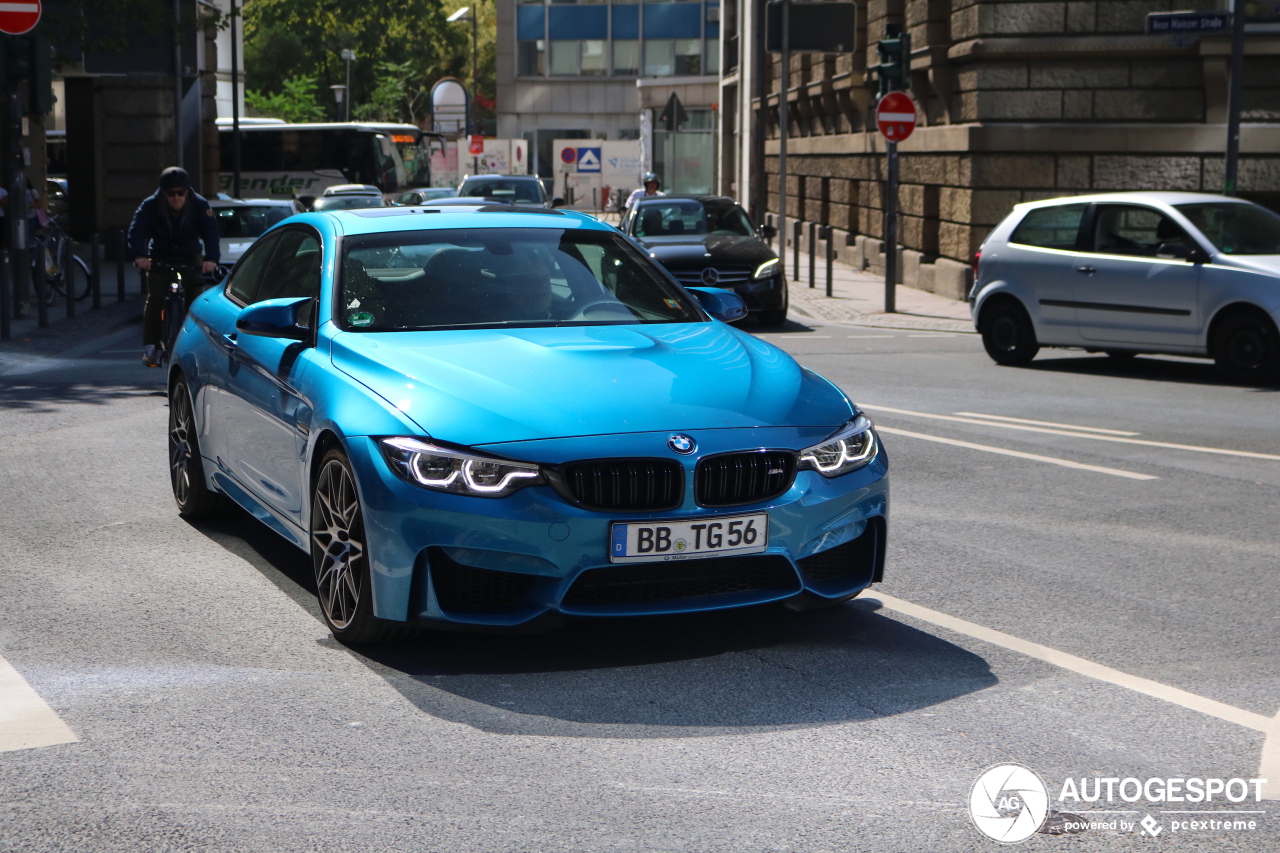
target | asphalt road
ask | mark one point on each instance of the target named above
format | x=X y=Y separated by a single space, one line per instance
x=1087 y=607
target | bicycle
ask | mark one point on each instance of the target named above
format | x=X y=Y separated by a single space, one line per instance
x=53 y=252
x=173 y=312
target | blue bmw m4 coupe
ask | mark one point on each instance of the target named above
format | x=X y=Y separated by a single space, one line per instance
x=495 y=415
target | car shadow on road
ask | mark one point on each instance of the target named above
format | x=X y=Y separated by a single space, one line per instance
x=1148 y=368
x=689 y=675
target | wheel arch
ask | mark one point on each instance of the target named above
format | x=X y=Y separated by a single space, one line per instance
x=995 y=300
x=1233 y=309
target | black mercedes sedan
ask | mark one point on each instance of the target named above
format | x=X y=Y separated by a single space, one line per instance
x=709 y=241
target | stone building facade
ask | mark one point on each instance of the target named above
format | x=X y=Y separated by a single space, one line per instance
x=1015 y=101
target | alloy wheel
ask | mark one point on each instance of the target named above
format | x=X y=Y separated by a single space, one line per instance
x=337 y=543
x=181 y=452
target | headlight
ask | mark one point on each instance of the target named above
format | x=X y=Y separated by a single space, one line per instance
x=767 y=269
x=848 y=450
x=454 y=471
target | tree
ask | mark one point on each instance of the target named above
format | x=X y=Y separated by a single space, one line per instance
x=401 y=46
x=296 y=103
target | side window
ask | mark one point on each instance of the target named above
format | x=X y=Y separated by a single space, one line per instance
x=1050 y=227
x=294 y=270
x=1127 y=229
x=243 y=280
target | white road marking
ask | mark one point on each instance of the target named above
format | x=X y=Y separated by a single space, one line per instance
x=1048 y=424
x=1052 y=460
x=935 y=335
x=872 y=336
x=1269 y=767
x=1247 y=454
x=25 y=720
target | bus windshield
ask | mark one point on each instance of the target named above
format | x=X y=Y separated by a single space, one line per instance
x=417 y=160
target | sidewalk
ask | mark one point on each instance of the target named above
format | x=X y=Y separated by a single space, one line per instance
x=858 y=297
x=28 y=343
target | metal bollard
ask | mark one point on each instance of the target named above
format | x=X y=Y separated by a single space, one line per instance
x=829 y=233
x=813 y=254
x=796 y=230
x=4 y=296
x=122 y=249
x=69 y=283
x=38 y=285
x=95 y=272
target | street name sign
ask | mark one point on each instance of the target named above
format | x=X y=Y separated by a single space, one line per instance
x=1179 y=23
x=896 y=116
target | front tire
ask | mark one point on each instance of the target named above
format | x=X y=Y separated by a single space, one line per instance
x=1008 y=336
x=186 y=467
x=339 y=552
x=1246 y=348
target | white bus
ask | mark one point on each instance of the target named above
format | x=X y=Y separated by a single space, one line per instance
x=301 y=160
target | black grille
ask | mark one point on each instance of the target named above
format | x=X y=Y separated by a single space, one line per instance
x=629 y=485
x=466 y=588
x=855 y=557
x=744 y=478
x=672 y=581
x=729 y=275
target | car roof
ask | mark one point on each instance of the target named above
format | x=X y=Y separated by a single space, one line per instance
x=501 y=178
x=429 y=217
x=254 y=202
x=353 y=189
x=1160 y=197
x=702 y=198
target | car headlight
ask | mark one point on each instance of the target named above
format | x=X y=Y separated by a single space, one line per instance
x=848 y=450
x=767 y=269
x=447 y=470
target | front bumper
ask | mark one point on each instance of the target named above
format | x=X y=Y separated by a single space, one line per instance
x=765 y=294
x=450 y=558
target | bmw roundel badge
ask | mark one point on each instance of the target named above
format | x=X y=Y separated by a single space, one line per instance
x=681 y=443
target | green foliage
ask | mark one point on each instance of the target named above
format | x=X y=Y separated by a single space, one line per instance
x=402 y=47
x=296 y=103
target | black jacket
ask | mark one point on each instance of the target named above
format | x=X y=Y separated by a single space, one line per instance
x=155 y=233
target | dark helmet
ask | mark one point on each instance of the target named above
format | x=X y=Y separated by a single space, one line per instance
x=175 y=178
x=650 y=178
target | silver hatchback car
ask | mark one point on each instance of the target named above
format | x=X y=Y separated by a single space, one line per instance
x=1127 y=273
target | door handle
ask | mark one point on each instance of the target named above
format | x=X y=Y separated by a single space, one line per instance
x=229 y=343
x=1087 y=270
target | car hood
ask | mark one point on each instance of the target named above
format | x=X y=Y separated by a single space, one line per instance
x=486 y=386
x=1267 y=264
x=699 y=250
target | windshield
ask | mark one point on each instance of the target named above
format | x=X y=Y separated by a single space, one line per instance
x=680 y=217
x=512 y=192
x=489 y=277
x=417 y=162
x=246 y=221
x=346 y=202
x=728 y=220
x=1236 y=228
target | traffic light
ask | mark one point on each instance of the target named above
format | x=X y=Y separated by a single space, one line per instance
x=894 y=69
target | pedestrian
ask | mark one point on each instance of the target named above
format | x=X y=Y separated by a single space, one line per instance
x=650 y=189
x=169 y=227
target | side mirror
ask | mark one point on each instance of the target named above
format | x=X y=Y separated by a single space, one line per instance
x=724 y=305
x=557 y=202
x=1198 y=256
x=767 y=232
x=275 y=318
x=1172 y=250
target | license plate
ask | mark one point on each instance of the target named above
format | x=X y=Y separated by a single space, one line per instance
x=692 y=539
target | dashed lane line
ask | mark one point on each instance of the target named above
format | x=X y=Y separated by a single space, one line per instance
x=1247 y=454
x=1269 y=765
x=26 y=721
x=1048 y=424
x=1052 y=460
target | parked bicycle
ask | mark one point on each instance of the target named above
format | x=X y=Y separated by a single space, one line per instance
x=51 y=256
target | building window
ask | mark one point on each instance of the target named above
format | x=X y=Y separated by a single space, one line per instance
x=713 y=56
x=657 y=58
x=595 y=59
x=532 y=58
x=688 y=57
x=626 y=56
x=564 y=58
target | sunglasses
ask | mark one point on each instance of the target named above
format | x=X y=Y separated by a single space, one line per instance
x=175 y=193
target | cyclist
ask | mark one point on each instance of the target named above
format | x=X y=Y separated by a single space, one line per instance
x=168 y=228
x=650 y=190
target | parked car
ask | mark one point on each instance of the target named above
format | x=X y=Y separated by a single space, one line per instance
x=353 y=189
x=1125 y=273
x=423 y=195
x=710 y=241
x=489 y=417
x=56 y=195
x=348 y=201
x=509 y=189
x=242 y=221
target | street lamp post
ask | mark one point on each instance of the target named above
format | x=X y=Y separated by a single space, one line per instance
x=339 y=91
x=348 y=56
x=463 y=15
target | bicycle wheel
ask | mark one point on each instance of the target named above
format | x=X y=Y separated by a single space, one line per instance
x=173 y=311
x=81 y=270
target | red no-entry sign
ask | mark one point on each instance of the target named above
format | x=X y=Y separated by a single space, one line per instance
x=896 y=116
x=18 y=16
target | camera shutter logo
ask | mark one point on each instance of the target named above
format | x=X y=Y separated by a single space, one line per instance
x=1008 y=803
